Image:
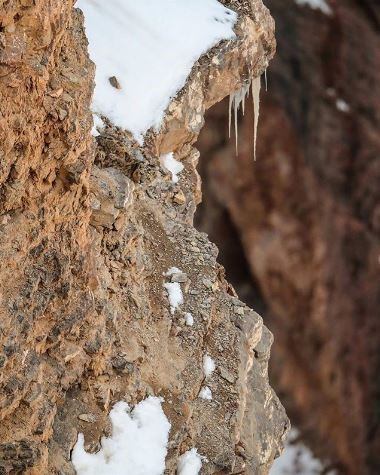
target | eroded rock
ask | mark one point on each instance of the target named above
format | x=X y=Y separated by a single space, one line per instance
x=89 y=231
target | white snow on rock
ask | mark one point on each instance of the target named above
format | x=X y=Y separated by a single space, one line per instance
x=173 y=289
x=296 y=459
x=138 y=444
x=342 y=105
x=148 y=47
x=208 y=366
x=175 y=295
x=189 y=319
x=98 y=125
x=172 y=165
x=321 y=5
x=205 y=393
x=190 y=463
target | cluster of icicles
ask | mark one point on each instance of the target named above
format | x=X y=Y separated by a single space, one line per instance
x=237 y=99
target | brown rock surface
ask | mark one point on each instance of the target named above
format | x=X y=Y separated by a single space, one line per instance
x=87 y=231
x=307 y=216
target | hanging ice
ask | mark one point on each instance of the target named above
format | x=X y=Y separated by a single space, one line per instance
x=256 y=86
x=237 y=99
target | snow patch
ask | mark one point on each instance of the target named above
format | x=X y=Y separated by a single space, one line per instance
x=208 y=366
x=98 y=125
x=321 y=5
x=173 y=289
x=190 y=463
x=205 y=393
x=342 y=105
x=138 y=444
x=144 y=51
x=172 y=165
x=296 y=459
x=175 y=295
x=189 y=319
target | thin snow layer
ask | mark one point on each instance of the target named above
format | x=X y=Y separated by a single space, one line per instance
x=138 y=444
x=321 y=5
x=208 y=366
x=296 y=459
x=149 y=46
x=190 y=463
x=172 y=165
x=205 y=393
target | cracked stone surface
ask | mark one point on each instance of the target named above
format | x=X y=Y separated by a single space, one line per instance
x=88 y=228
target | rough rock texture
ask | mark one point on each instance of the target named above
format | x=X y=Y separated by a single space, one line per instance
x=307 y=215
x=87 y=231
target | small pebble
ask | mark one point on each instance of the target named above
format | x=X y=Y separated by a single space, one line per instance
x=114 y=82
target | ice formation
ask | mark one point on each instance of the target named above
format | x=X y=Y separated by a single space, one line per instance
x=237 y=100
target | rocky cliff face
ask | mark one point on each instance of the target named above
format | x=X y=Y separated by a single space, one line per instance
x=307 y=215
x=87 y=231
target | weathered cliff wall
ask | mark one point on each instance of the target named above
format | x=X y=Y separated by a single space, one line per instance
x=87 y=230
x=307 y=215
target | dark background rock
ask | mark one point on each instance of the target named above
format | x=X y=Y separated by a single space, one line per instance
x=299 y=228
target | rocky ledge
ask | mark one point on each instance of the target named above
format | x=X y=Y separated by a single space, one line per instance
x=88 y=231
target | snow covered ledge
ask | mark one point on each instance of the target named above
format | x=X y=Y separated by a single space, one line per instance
x=223 y=71
x=156 y=59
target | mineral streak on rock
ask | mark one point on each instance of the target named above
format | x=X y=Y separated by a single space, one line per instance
x=87 y=231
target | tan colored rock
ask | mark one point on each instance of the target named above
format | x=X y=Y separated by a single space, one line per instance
x=85 y=319
x=110 y=192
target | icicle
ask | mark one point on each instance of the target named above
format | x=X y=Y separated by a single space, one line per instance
x=245 y=91
x=266 y=80
x=236 y=107
x=229 y=115
x=236 y=100
x=256 y=86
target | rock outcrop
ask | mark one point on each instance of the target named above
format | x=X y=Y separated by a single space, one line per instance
x=307 y=215
x=88 y=230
